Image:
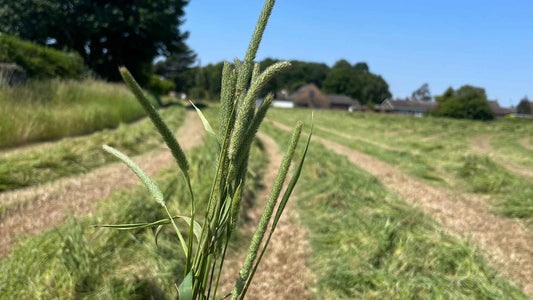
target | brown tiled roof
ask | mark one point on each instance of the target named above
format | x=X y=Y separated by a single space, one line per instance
x=342 y=100
x=408 y=105
x=497 y=109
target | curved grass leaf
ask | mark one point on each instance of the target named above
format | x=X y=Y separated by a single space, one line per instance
x=207 y=126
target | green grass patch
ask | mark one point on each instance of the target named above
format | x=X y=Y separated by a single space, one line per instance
x=368 y=243
x=52 y=109
x=79 y=155
x=437 y=151
x=76 y=260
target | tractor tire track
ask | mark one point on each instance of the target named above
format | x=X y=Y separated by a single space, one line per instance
x=47 y=205
x=509 y=245
x=283 y=273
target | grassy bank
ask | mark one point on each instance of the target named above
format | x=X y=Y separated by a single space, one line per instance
x=77 y=261
x=49 y=110
x=368 y=243
x=79 y=155
x=438 y=151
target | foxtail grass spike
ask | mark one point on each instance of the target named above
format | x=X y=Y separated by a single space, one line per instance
x=226 y=99
x=255 y=73
x=267 y=214
x=146 y=180
x=246 y=109
x=167 y=135
x=281 y=208
x=246 y=69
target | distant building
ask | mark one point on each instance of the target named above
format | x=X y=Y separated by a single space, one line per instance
x=407 y=107
x=498 y=110
x=310 y=96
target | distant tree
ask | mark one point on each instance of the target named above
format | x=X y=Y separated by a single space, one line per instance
x=446 y=95
x=524 y=107
x=299 y=74
x=357 y=82
x=342 y=63
x=159 y=87
x=422 y=93
x=107 y=34
x=177 y=68
x=361 y=67
x=467 y=102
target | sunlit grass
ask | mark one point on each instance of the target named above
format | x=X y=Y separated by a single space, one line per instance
x=50 y=110
x=438 y=151
x=76 y=260
x=369 y=244
x=81 y=154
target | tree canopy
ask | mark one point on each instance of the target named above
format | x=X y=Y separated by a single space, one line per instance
x=468 y=102
x=357 y=82
x=107 y=34
x=524 y=107
x=422 y=93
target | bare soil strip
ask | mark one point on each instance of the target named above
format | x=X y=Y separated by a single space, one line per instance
x=283 y=273
x=356 y=138
x=482 y=144
x=524 y=142
x=508 y=244
x=49 y=204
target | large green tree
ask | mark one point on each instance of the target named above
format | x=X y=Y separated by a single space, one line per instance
x=299 y=74
x=357 y=82
x=107 y=34
x=177 y=68
x=468 y=102
x=524 y=107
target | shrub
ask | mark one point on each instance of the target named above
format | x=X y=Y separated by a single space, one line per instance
x=467 y=102
x=160 y=86
x=40 y=61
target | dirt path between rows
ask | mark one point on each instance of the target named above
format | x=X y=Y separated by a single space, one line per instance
x=49 y=204
x=283 y=273
x=508 y=244
x=481 y=143
x=356 y=138
x=525 y=143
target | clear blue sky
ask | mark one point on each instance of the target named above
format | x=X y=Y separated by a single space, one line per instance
x=444 y=43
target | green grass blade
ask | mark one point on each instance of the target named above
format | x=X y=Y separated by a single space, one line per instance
x=207 y=126
x=156 y=234
x=185 y=288
x=197 y=228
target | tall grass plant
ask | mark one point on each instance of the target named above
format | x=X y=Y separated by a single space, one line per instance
x=205 y=242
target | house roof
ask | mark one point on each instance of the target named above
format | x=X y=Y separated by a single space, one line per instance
x=497 y=109
x=408 y=105
x=342 y=100
x=302 y=89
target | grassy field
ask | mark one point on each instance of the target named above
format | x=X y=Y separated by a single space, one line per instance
x=81 y=154
x=49 y=110
x=77 y=261
x=438 y=151
x=367 y=243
